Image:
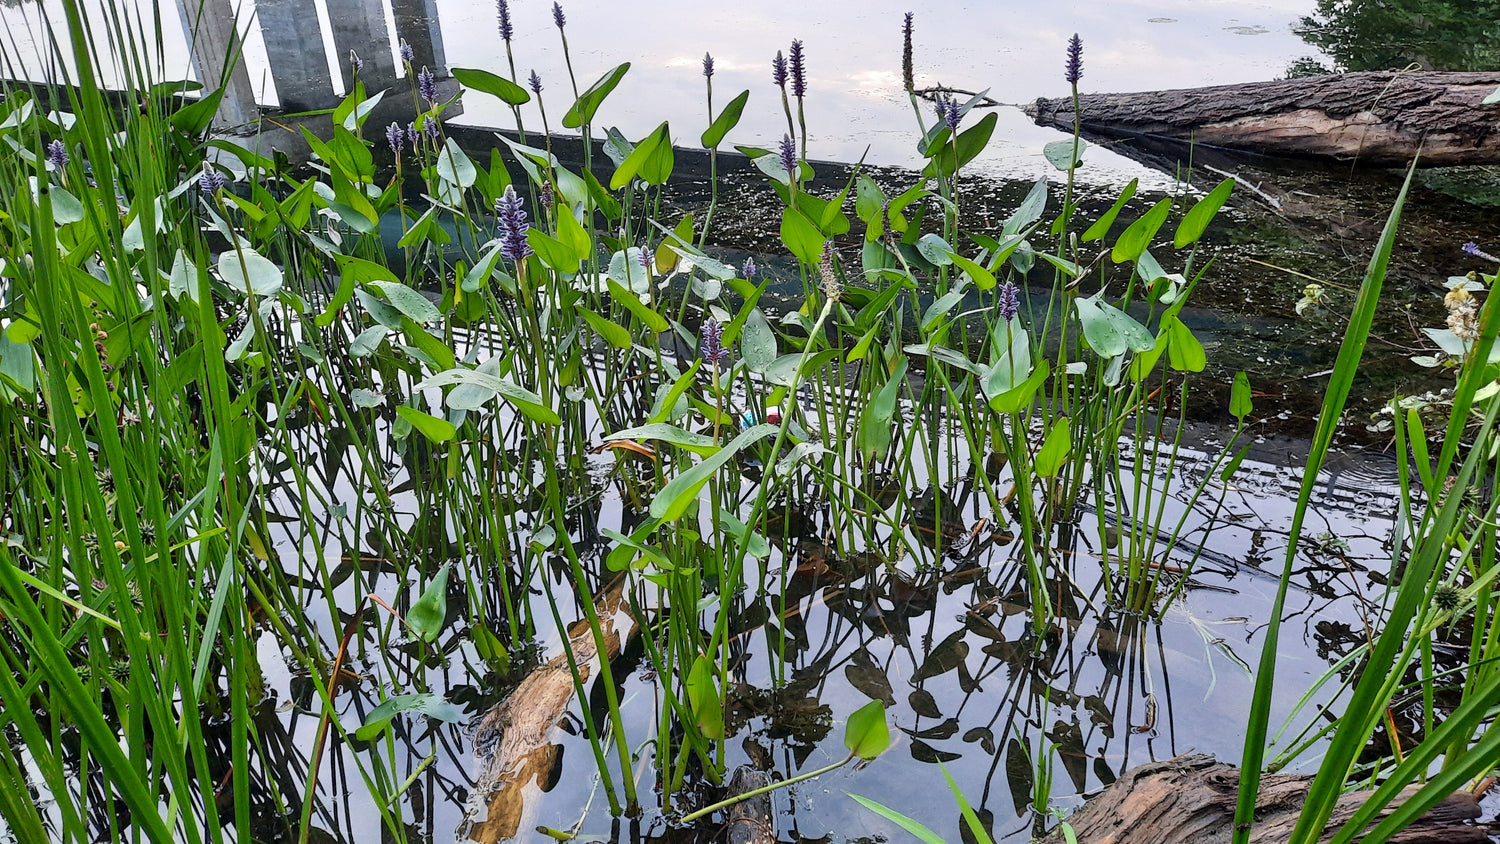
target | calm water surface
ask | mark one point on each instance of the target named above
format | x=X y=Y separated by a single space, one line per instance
x=1013 y=49
x=855 y=103
x=1108 y=691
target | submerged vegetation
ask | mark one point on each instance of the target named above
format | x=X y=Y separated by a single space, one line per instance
x=245 y=436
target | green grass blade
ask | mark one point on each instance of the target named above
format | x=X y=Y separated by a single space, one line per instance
x=16 y=806
x=1333 y=406
x=98 y=735
x=1373 y=692
x=1479 y=760
x=895 y=817
x=1459 y=724
x=976 y=828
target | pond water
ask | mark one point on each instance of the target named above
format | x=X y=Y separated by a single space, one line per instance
x=944 y=639
x=1012 y=49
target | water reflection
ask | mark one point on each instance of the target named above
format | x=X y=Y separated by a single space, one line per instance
x=1395 y=34
x=856 y=106
x=928 y=614
x=940 y=632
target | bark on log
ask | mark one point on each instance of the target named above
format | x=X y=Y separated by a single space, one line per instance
x=1373 y=118
x=512 y=742
x=1190 y=800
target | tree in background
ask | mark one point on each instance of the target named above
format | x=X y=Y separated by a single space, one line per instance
x=1394 y=34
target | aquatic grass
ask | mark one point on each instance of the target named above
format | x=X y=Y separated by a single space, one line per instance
x=123 y=470
x=972 y=824
x=1414 y=602
x=84 y=499
x=447 y=422
x=1327 y=786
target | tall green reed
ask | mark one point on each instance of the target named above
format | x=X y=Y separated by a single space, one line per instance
x=1442 y=547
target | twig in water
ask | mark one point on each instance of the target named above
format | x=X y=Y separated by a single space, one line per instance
x=937 y=92
x=1255 y=189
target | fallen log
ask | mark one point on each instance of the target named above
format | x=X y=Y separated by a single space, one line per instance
x=1372 y=118
x=512 y=742
x=1190 y=800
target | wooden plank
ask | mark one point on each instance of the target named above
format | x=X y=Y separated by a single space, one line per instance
x=417 y=25
x=210 y=28
x=296 y=53
x=359 y=25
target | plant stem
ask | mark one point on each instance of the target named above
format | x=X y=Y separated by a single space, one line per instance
x=765 y=789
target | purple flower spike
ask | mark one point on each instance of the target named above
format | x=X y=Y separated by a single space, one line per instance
x=407 y=54
x=411 y=134
x=1075 y=60
x=210 y=181
x=395 y=136
x=789 y=156
x=427 y=86
x=708 y=66
x=512 y=213
x=1010 y=301
x=57 y=153
x=907 y=76
x=502 y=15
x=536 y=83
x=711 y=343
x=747 y=272
x=950 y=112
x=432 y=127
x=1471 y=247
x=778 y=70
x=356 y=62
x=799 y=71
x=558 y=17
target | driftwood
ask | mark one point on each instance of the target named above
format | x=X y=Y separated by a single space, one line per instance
x=1375 y=118
x=512 y=742
x=1190 y=800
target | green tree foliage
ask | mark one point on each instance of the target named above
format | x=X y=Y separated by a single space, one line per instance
x=1393 y=34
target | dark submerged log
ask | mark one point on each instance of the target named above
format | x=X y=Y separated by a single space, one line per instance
x=1191 y=799
x=749 y=821
x=1373 y=118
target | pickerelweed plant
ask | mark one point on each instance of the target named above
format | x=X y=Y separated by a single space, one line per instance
x=236 y=421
